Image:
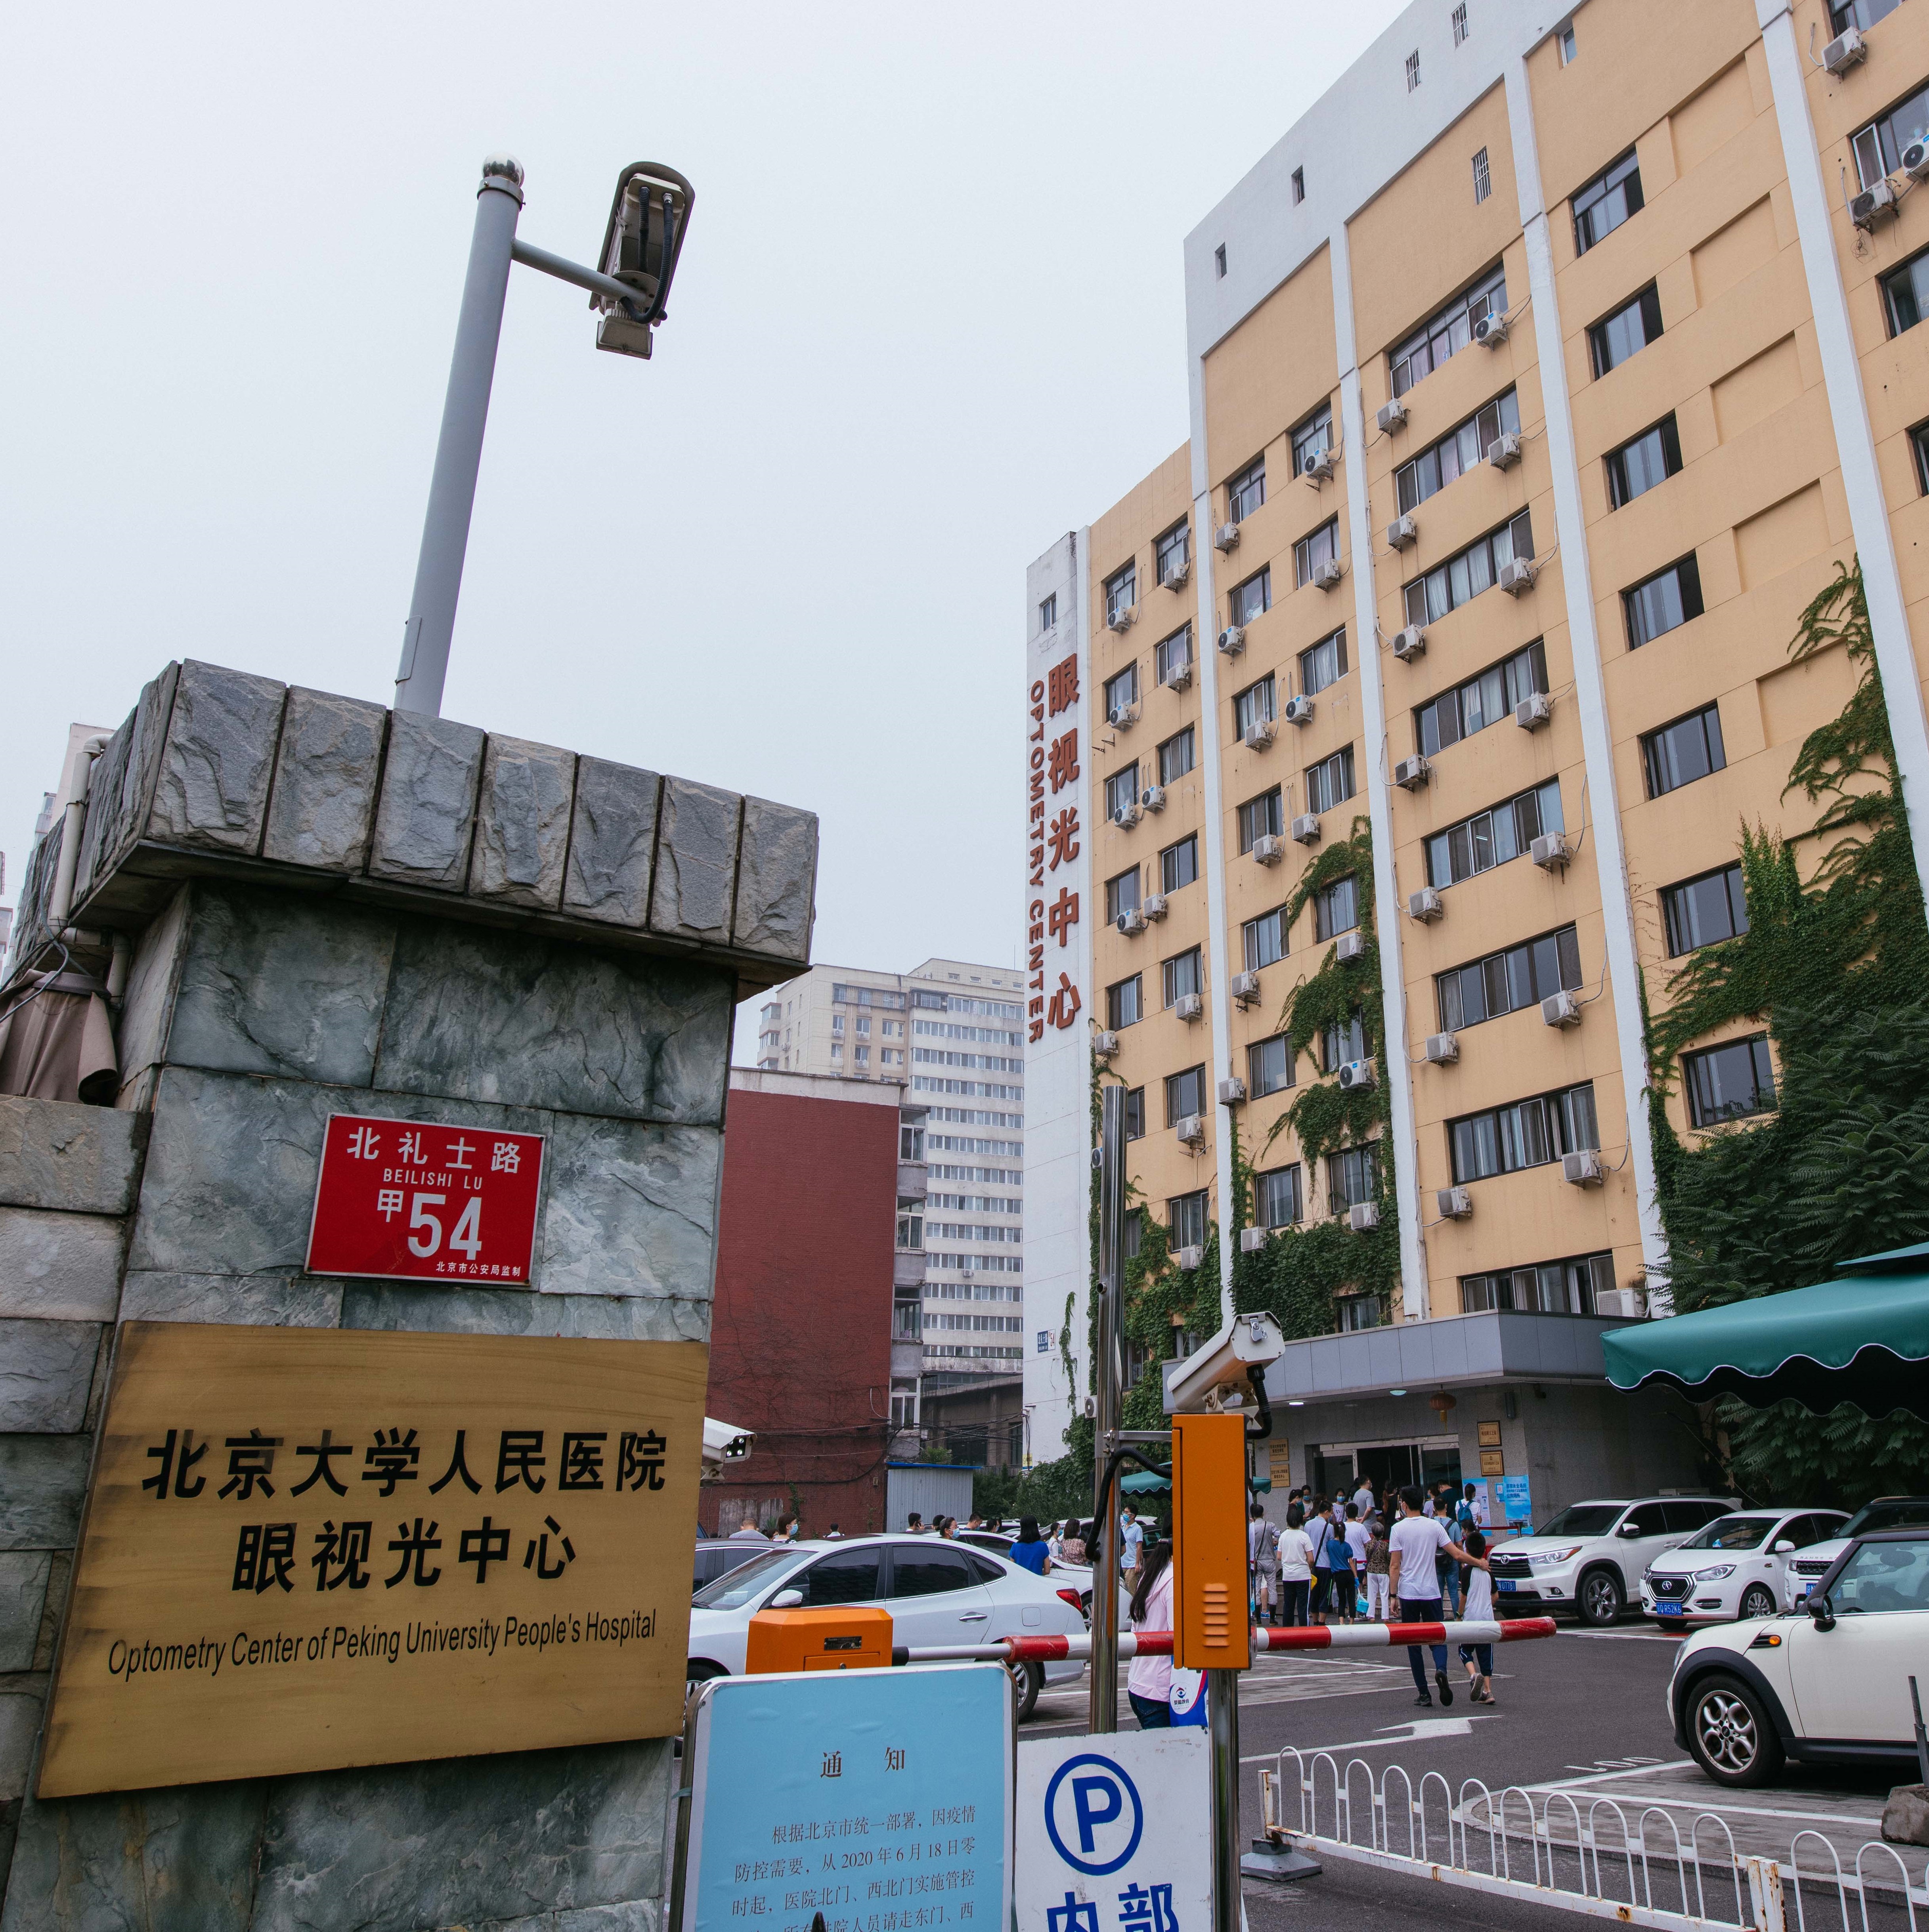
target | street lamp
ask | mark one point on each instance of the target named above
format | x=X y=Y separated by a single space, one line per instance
x=649 y=218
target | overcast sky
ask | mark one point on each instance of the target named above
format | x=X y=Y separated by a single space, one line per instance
x=929 y=317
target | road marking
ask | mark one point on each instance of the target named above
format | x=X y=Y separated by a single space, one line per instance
x=1713 y=1801
x=1422 y=1730
x=1627 y=1636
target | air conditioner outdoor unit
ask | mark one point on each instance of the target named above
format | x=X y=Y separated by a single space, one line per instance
x=1127 y=815
x=1915 y=160
x=1356 y=1076
x=1326 y=576
x=1231 y=1091
x=1873 y=204
x=1152 y=798
x=1349 y=947
x=1122 y=618
x=1490 y=332
x=1179 y=676
x=1269 y=848
x=1245 y=987
x=1226 y=537
x=1175 y=578
x=1516 y=578
x=1232 y=640
x=1402 y=531
x=1122 y=717
x=1191 y=1128
x=1260 y=733
x=1188 y=1258
x=1131 y=921
x=1534 y=711
x=1392 y=416
x=1410 y=774
x=1409 y=643
x=1455 y=1204
x=1153 y=906
x=1425 y=904
x=1322 y=463
x=1843 y=53
x=1562 y=1008
x=1105 y=1045
x=1550 y=851
x=1442 y=1049
x=1363 y=1216
x=1305 y=828
x=1189 y=1005
x=1298 y=710
x=1583 y=1168
x=1504 y=452
x=1252 y=1239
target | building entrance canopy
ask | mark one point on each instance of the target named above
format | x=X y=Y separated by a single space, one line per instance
x=1863 y=1337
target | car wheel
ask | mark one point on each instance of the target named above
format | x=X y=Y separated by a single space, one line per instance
x=1730 y=1734
x=1085 y=1605
x=1027 y=1680
x=1599 y=1599
x=701 y=1670
x=1757 y=1601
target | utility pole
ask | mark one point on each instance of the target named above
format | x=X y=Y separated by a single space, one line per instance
x=1107 y=1381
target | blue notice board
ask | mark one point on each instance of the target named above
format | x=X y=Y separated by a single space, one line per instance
x=881 y=1799
x=1516 y=1502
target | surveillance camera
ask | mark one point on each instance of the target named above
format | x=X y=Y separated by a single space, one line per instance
x=1202 y=1380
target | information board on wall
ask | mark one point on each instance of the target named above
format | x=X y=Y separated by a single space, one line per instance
x=308 y=1548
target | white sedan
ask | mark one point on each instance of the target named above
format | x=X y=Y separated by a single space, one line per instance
x=1735 y=1570
x=938 y=1593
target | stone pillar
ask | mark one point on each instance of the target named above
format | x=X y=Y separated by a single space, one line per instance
x=337 y=910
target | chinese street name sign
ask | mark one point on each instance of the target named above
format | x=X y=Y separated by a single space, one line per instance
x=411 y=1200
x=1115 y=1834
x=881 y=1799
x=306 y=1548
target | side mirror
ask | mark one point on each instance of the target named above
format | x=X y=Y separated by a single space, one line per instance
x=1629 y=1529
x=786 y=1600
x=1821 y=1612
x=1784 y=1548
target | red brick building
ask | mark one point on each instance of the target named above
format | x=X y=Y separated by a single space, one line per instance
x=800 y=1339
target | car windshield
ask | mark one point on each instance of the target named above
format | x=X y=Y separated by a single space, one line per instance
x=1887 y=1513
x=1584 y=1519
x=1733 y=1532
x=736 y=1588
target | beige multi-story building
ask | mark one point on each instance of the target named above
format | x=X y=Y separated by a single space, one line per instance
x=1540 y=377
x=947 y=1033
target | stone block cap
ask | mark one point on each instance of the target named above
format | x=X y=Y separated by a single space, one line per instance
x=218 y=773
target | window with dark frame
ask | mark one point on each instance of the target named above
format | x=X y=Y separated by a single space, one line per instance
x=1463 y=577
x=1134 y=1221
x=1264 y=939
x=1843 y=14
x=1458 y=451
x=1047 y=612
x=1604 y=203
x=1180 y=976
x=1175 y=756
x=1121 y=591
x=1316 y=548
x=1447 y=333
x=1729 y=1082
x=1185 y=1215
x=1492 y=837
x=1245 y=492
x=1269 y=1066
x=1219 y=261
x=1575 y=1286
x=1121 y=789
x=1679 y=753
x=1124 y=1003
x=1172 y=550
x=1919 y=441
x=1705 y=911
x=1352 y=1176
x=1313 y=438
x=1179 y=864
x=1642 y=462
x=1482 y=177
x=1276 y=1197
x=1299 y=186
x=1506 y=981
x=1443 y=722
x=1336 y=909
x=1135 y=1113
x=1662 y=603
x=1533 y=1132
x=1252 y=599
x=1122 y=689
x=1628 y=330
x=1413 y=70
x=1342 y=1041
x=1171 y=656
x=1329 y=783
x=1906 y=293
x=1185 y=1093
x=1256 y=705
x=1260 y=817
x=1323 y=663
x=1460 y=23
x=1878 y=148
x=1121 y=896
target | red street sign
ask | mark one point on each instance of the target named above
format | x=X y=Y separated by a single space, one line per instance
x=409 y=1200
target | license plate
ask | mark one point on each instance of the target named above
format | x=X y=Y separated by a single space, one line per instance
x=1668 y=1609
x=1506 y=1584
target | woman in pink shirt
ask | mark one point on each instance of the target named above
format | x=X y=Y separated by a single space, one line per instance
x=1149 y=1682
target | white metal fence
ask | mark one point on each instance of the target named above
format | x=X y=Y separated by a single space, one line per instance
x=1633 y=1862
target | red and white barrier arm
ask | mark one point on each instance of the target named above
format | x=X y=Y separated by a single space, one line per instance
x=1159 y=1643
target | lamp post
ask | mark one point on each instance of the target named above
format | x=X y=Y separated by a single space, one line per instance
x=648 y=219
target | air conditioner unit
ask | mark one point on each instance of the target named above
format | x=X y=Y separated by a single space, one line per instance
x=1356 y=1076
x=1915 y=160
x=1349 y=947
x=1844 y=51
x=1191 y=1128
x=1562 y=1008
x=1188 y=1258
x=1455 y=1204
x=1442 y=1049
x=1363 y=1216
x=1189 y=1005
x=1175 y=578
x=1410 y=774
x=1305 y=828
x=1534 y=711
x=1179 y=676
x=1490 y=332
x=1550 y=851
x=1153 y=907
x=1392 y=416
x=1231 y=1091
x=1322 y=463
x=1583 y=1168
x=1127 y=815
x=1152 y=798
x=1122 y=717
x=1269 y=848
x=1232 y=640
x=1105 y=1045
x=1425 y=904
x=1516 y=578
x=1326 y=576
x=1409 y=643
x=1122 y=618
x=1245 y=987
x=1402 y=531
x=1873 y=204
x=1252 y=1239
x=1131 y=921
x=1298 y=710
x=1226 y=537
x=1260 y=733
x=1504 y=452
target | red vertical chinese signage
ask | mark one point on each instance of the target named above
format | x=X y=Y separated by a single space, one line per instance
x=1052 y=838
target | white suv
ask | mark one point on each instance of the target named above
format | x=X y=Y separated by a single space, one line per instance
x=1807 y=1570
x=1828 y=1687
x=1589 y=1559
x=1735 y=1568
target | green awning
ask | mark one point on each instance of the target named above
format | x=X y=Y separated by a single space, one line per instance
x=1144 y=1483
x=1863 y=1337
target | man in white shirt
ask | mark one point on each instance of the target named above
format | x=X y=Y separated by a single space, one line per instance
x=1262 y=1556
x=1417 y=1541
